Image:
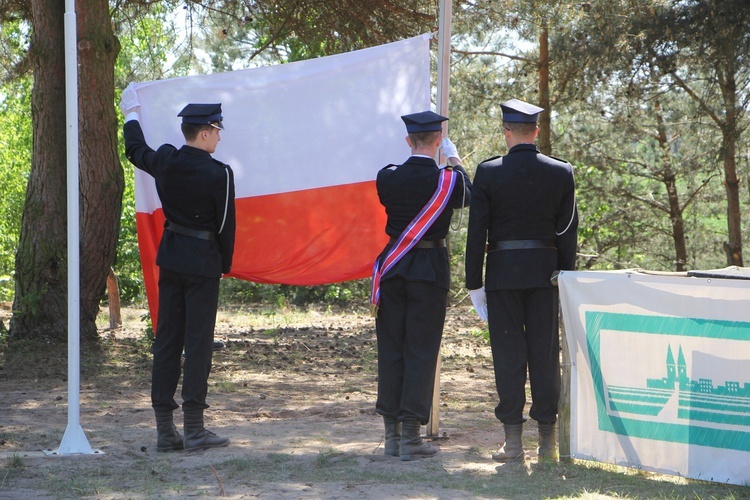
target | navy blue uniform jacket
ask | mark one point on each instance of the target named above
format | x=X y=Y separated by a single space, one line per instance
x=523 y=195
x=404 y=190
x=196 y=191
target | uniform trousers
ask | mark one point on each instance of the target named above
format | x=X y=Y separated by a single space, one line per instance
x=187 y=318
x=409 y=330
x=524 y=336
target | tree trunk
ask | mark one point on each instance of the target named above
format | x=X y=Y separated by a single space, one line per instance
x=678 y=224
x=733 y=247
x=113 y=292
x=40 y=305
x=102 y=178
x=545 y=127
x=670 y=182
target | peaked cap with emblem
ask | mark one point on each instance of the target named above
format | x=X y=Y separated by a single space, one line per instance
x=515 y=111
x=202 y=114
x=425 y=121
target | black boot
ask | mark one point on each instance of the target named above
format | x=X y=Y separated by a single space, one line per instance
x=198 y=437
x=411 y=446
x=167 y=436
x=392 y=436
x=547 y=441
x=512 y=449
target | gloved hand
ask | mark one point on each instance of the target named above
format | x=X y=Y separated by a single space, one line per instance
x=129 y=101
x=448 y=148
x=479 y=299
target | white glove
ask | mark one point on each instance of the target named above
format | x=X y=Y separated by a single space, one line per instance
x=479 y=299
x=129 y=101
x=448 y=148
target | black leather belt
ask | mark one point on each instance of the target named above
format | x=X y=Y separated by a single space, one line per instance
x=195 y=233
x=424 y=243
x=520 y=244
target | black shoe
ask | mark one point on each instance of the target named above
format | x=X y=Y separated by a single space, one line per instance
x=203 y=439
x=218 y=345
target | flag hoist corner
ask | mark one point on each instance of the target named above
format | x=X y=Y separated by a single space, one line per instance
x=305 y=141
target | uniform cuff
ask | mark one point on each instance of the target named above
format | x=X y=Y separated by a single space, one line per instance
x=132 y=115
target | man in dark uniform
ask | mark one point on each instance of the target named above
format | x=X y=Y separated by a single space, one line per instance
x=413 y=293
x=197 y=196
x=523 y=212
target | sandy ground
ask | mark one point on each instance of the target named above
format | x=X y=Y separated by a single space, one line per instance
x=294 y=391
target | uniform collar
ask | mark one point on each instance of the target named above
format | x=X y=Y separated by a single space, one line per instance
x=422 y=160
x=523 y=147
x=195 y=151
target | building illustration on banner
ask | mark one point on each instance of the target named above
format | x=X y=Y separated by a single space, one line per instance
x=697 y=400
x=702 y=410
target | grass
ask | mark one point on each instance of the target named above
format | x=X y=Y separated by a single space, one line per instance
x=14 y=461
x=157 y=475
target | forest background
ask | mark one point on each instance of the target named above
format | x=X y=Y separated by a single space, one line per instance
x=648 y=99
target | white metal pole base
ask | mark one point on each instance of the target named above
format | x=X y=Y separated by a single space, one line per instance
x=74 y=442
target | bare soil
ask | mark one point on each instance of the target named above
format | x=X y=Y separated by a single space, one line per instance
x=295 y=392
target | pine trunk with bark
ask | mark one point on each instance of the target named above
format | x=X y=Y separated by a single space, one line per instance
x=41 y=298
x=669 y=178
x=730 y=135
x=545 y=118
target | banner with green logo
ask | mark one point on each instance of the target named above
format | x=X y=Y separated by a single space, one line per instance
x=660 y=376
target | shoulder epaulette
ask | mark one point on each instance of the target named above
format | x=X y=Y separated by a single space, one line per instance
x=558 y=159
x=492 y=158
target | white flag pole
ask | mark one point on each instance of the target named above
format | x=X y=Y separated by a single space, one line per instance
x=444 y=59
x=74 y=440
x=443 y=82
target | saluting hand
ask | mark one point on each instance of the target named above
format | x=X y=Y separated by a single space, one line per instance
x=449 y=150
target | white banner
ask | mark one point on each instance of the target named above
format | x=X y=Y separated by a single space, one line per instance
x=660 y=376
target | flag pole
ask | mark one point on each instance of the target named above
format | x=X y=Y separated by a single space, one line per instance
x=74 y=440
x=443 y=82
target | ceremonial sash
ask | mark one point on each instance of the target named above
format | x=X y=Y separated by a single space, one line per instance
x=413 y=233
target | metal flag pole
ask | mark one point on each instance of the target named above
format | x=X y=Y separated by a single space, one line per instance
x=74 y=440
x=443 y=82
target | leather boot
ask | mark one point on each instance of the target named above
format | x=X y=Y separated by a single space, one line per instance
x=167 y=436
x=411 y=446
x=512 y=449
x=392 y=436
x=547 y=441
x=198 y=437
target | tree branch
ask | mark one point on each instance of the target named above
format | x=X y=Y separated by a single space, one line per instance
x=493 y=53
x=682 y=84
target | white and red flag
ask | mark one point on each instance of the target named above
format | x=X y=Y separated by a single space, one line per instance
x=305 y=141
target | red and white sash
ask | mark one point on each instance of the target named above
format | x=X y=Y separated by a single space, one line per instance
x=413 y=233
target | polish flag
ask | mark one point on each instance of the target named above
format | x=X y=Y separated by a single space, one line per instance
x=305 y=141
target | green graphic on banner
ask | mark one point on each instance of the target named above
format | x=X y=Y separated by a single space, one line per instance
x=706 y=409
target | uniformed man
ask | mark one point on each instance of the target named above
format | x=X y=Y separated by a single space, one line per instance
x=523 y=212
x=413 y=289
x=197 y=196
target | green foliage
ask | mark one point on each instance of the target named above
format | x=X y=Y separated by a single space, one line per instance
x=224 y=35
x=346 y=293
x=15 y=164
x=605 y=86
x=149 y=328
